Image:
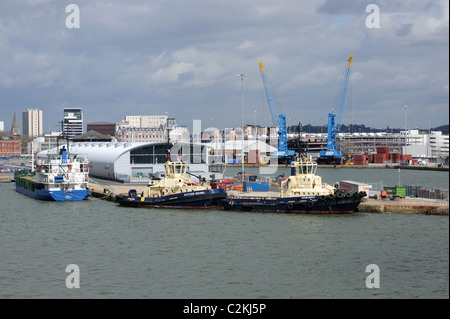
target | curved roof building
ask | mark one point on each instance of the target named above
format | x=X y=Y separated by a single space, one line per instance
x=130 y=162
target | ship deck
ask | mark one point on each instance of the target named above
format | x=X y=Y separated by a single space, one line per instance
x=242 y=194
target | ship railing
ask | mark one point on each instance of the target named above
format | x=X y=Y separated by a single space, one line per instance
x=71 y=158
x=139 y=180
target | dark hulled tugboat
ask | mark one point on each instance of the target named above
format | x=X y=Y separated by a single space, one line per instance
x=302 y=192
x=175 y=190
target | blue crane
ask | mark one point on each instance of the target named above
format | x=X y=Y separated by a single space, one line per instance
x=332 y=155
x=283 y=154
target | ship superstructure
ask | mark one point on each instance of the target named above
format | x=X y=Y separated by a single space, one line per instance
x=56 y=177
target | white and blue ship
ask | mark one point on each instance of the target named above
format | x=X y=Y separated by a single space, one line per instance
x=55 y=177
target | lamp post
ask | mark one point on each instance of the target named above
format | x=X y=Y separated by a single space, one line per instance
x=406 y=133
x=242 y=75
x=429 y=134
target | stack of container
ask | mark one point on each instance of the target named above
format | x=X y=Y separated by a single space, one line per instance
x=436 y=193
x=412 y=190
x=382 y=155
x=405 y=157
x=415 y=191
x=379 y=158
x=361 y=159
x=423 y=192
x=394 y=157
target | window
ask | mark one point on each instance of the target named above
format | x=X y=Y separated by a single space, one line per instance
x=150 y=154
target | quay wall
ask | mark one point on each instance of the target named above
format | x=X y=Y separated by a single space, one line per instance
x=6 y=178
x=405 y=206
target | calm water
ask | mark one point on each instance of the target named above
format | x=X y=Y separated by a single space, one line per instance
x=147 y=253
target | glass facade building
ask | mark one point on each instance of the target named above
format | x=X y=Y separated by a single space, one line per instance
x=73 y=122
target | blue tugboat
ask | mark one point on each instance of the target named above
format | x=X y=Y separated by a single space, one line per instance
x=302 y=192
x=175 y=190
x=56 y=177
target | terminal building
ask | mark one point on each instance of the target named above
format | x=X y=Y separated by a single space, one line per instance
x=138 y=161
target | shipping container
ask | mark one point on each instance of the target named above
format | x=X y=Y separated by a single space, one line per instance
x=406 y=157
x=384 y=150
x=256 y=186
x=379 y=161
x=353 y=187
x=400 y=191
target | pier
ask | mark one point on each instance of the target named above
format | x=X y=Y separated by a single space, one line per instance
x=6 y=178
x=405 y=206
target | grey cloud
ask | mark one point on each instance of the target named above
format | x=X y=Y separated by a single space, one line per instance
x=404 y=30
x=182 y=57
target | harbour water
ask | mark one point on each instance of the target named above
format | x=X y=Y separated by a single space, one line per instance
x=150 y=253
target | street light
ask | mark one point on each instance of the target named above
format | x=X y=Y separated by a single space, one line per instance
x=429 y=124
x=406 y=143
x=429 y=134
x=242 y=75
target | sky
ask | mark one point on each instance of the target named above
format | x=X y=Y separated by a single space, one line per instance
x=181 y=58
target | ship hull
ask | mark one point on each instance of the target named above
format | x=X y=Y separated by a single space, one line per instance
x=298 y=205
x=204 y=199
x=57 y=196
x=42 y=191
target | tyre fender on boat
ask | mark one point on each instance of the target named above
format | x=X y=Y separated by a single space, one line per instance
x=310 y=204
x=290 y=205
x=228 y=204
